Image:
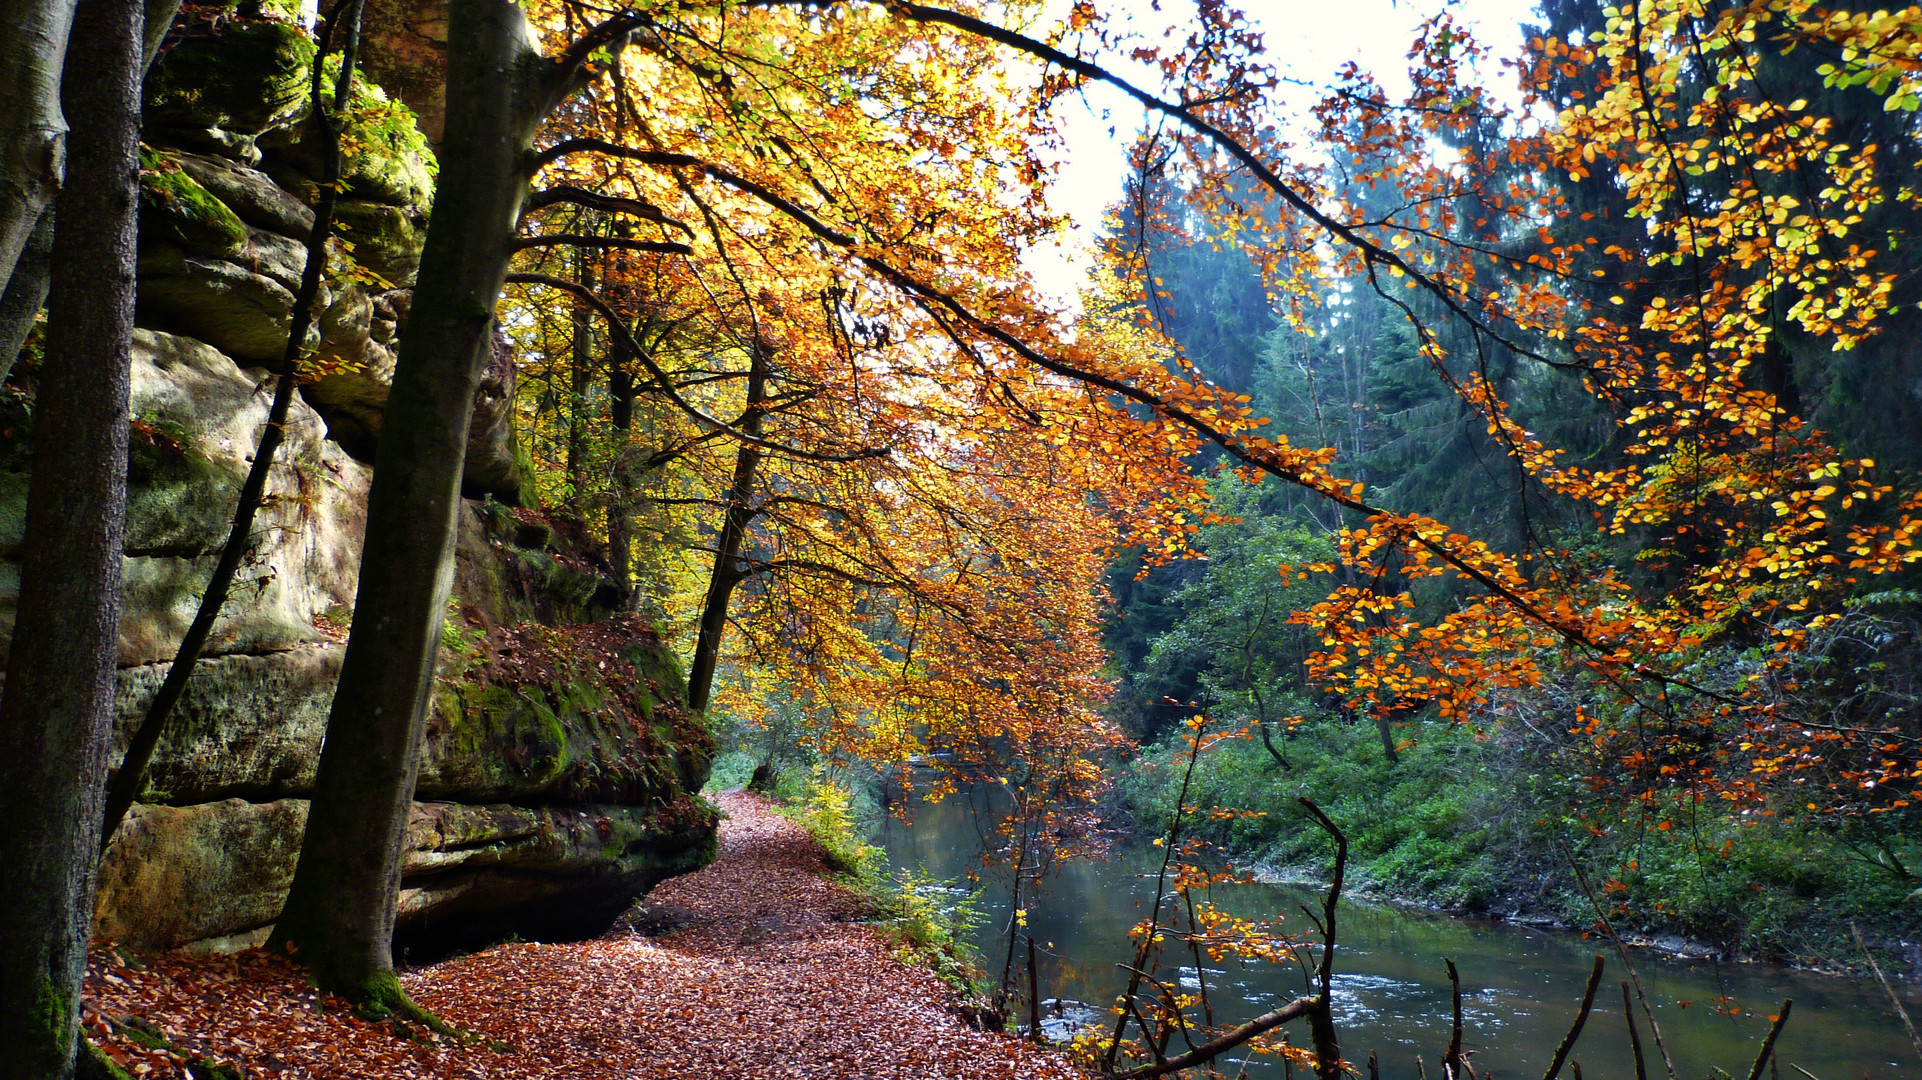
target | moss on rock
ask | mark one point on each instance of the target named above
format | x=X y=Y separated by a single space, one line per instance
x=221 y=92
x=572 y=714
x=385 y=239
x=175 y=206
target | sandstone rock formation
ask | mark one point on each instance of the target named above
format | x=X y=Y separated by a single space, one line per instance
x=560 y=768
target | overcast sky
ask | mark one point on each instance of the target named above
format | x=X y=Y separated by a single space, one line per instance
x=1306 y=39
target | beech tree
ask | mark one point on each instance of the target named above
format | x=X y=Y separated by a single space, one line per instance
x=340 y=910
x=57 y=708
x=770 y=165
x=33 y=130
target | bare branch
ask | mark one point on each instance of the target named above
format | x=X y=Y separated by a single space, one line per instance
x=666 y=384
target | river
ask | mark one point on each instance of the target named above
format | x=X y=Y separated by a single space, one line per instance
x=1520 y=985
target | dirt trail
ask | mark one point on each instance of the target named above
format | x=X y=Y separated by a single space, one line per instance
x=761 y=976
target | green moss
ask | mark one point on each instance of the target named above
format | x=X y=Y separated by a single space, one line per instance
x=52 y=1013
x=659 y=670
x=385 y=240
x=93 y=1064
x=232 y=87
x=144 y=1033
x=383 y=154
x=173 y=206
x=576 y=713
x=382 y=998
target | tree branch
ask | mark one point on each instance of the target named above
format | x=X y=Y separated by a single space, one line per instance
x=625 y=243
x=1228 y=1041
x=611 y=204
x=660 y=377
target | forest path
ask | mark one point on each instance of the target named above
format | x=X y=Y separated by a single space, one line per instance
x=764 y=976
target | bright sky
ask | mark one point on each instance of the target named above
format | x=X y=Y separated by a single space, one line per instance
x=1307 y=40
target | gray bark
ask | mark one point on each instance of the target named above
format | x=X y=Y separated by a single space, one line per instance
x=56 y=712
x=26 y=286
x=340 y=910
x=33 y=130
x=26 y=290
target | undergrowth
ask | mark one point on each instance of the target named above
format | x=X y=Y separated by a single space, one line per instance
x=1472 y=823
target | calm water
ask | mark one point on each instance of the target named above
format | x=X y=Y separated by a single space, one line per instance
x=1520 y=987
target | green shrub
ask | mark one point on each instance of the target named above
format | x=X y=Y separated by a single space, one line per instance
x=930 y=922
x=826 y=810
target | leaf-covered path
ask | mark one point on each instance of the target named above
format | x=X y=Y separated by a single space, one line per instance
x=764 y=977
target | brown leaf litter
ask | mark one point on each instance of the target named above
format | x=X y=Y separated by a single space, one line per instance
x=761 y=974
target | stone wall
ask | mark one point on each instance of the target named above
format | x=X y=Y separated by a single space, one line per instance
x=559 y=769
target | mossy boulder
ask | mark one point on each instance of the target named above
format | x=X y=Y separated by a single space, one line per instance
x=251 y=194
x=570 y=714
x=385 y=239
x=197 y=418
x=248 y=726
x=219 y=92
x=213 y=877
x=235 y=308
x=384 y=157
x=215 y=873
x=474 y=875
x=177 y=208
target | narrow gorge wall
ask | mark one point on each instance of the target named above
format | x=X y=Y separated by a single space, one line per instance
x=559 y=768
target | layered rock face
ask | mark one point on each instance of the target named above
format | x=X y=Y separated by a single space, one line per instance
x=559 y=769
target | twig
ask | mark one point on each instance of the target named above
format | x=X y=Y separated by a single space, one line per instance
x=1456 y=1063
x=1034 y=996
x=1321 y=1021
x=1768 y=1042
x=1914 y=1039
x=1154 y=915
x=582 y=240
x=1452 y=1060
x=1215 y=1047
x=1575 y=1030
x=1634 y=1037
x=1621 y=950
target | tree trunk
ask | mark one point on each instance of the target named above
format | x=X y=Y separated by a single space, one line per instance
x=579 y=377
x=33 y=130
x=26 y=290
x=1387 y=732
x=340 y=910
x=57 y=709
x=727 y=548
x=620 y=543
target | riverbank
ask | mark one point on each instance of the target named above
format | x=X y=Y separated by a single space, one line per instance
x=756 y=966
x=1467 y=824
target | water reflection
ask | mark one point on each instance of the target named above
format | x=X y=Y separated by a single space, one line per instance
x=1520 y=985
